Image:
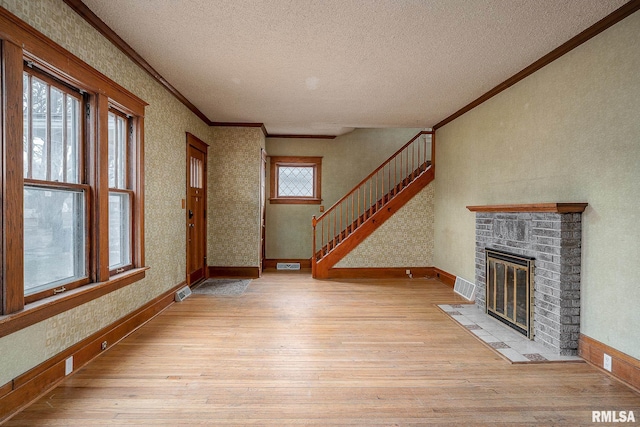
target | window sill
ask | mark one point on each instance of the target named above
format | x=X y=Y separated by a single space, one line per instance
x=43 y=309
x=294 y=201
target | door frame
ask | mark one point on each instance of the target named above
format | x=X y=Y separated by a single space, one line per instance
x=263 y=208
x=194 y=142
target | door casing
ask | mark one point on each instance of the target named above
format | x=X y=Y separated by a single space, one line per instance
x=196 y=210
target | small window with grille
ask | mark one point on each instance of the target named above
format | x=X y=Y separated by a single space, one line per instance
x=295 y=180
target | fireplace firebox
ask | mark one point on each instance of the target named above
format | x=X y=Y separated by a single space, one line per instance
x=509 y=295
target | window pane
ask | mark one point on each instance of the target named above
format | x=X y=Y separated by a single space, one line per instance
x=54 y=238
x=117 y=151
x=57 y=137
x=39 y=126
x=119 y=234
x=26 y=136
x=73 y=140
x=196 y=168
x=51 y=126
x=295 y=181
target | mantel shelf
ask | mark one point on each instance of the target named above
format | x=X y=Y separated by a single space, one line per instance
x=535 y=207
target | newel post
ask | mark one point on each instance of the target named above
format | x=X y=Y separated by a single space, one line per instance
x=314 y=222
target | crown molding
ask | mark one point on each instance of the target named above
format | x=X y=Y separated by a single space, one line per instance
x=241 y=125
x=302 y=136
x=618 y=15
x=606 y=22
x=81 y=9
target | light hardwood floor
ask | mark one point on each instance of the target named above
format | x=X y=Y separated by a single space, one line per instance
x=294 y=351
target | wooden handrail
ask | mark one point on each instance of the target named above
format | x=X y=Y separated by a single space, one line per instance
x=363 y=201
x=378 y=169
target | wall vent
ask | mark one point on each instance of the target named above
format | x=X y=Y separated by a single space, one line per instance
x=183 y=293
x=465 y=288
x=288 y=266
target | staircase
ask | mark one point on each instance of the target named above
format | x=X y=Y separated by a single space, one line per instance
x=370 y=203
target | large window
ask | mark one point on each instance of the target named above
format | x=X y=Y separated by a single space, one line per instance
x=72 y=180
x=296 y=180
x=55 y=197
x=120 y=194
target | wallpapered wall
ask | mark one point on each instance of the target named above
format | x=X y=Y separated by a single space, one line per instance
x=166 y=121
x=233 y=217
x=404 y=240
x=346 y=160
x=568 y=133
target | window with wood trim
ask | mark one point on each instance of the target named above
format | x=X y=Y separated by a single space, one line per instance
x=55 y=191
x=72 y=175
x=296 y=180
x=121 y=196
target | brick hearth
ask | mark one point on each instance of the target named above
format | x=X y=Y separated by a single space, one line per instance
x=554 y=240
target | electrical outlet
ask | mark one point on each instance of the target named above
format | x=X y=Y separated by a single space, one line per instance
x=408 y=272
x=68 y=366
x=606 y=364
x=103 y=346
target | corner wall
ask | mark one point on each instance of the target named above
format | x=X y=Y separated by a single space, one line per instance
x=568 y=133
x=233 y=207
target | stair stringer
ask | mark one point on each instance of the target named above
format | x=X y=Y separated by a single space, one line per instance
x=341 y=250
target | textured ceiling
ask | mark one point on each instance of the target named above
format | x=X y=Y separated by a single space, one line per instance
x=327 y=66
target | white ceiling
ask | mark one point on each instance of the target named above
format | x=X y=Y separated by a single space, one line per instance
x=327 y=66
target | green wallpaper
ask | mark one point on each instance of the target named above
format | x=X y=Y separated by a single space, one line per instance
x=233 y=217
x=404 y=240
x=166 y=121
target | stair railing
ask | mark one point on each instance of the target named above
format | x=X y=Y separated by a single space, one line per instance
x=371 y=194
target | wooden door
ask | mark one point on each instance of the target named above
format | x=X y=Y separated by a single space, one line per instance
x=196 y=209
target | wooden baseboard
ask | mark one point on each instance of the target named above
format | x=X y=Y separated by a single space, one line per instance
x=380 y=273
x=444 y=277
x=31 y=385
x=623 y=367
x=270 y=264
x=243 y=272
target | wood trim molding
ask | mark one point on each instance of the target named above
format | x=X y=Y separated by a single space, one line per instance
x=535 y=207
x=606 y=22
x=11 y=180
x=294 y=201
x=54 y=59
x=241 y=125
x=4 y=390
x=623 y=367
x=308 y=161
x=381 y=273
x=31 y=385
x=271 y=262
x=301 y=136
x=239 y=272
x=444 y=277
x=85 y=13
x=43 y=309
x=139 y=213
x=100 y=179
x=81 y=9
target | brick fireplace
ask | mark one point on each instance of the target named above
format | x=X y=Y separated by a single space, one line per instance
x=551 y=234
